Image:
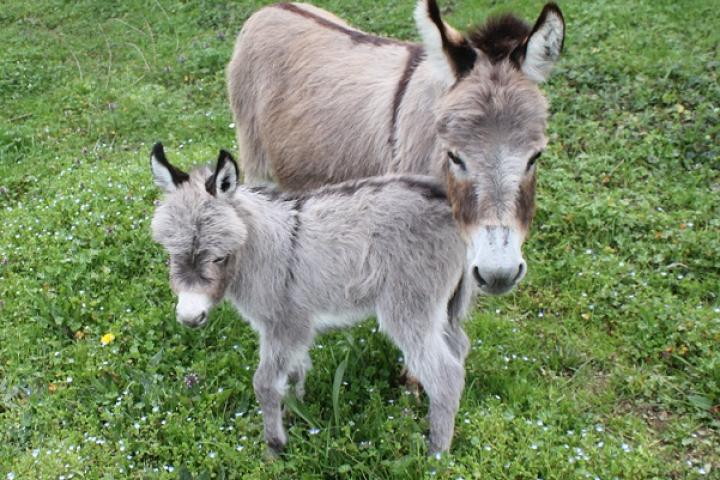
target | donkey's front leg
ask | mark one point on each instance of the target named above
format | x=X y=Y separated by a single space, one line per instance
x=269 y=382
x=277 y=358
x=298 y=374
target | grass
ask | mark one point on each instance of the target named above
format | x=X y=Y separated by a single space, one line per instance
x=604 y=363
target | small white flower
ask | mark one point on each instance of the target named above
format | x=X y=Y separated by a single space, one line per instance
x=314 y=431
x=212 y=454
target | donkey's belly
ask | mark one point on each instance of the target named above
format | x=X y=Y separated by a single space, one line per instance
x=325 y=321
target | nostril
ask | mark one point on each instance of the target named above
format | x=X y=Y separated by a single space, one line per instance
x=476 y=273
x=521 y=269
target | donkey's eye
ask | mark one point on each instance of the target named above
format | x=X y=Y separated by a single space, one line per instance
x=456 y=160
x=221 y=259
x=533 y=159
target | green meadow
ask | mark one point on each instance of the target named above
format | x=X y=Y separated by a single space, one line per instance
x=604 y=363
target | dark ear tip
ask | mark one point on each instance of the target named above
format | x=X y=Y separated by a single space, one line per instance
x=226 y=155
x=158 y=150
x=554 y=8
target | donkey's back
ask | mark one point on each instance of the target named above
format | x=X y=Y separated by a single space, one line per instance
x=304 y=85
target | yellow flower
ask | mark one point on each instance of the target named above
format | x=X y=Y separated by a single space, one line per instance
x=107 y=339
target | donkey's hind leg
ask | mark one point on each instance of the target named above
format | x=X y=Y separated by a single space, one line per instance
x=430 y=359
x=459 y=344
x=443 y=378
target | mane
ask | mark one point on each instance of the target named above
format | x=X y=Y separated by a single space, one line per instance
x=499 y=36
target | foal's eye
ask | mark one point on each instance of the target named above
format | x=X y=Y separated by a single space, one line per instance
x=221 y=259
x=533 y=159
x=456 y=160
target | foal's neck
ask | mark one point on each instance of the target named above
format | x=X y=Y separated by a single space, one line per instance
x=264 y=258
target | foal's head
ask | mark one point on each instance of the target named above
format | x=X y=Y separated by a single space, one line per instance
x=201 y=230
x=491 y=124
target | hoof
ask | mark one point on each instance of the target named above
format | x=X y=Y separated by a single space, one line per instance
x=275 y=448
x=436 y=451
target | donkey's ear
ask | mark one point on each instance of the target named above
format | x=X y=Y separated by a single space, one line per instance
x=542 y=49
x=449 y=53
x=167 y=177
x=223 y=182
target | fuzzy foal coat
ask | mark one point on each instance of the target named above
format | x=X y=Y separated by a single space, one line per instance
x=295 y=265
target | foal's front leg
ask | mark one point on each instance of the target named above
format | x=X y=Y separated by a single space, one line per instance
x=277 y=358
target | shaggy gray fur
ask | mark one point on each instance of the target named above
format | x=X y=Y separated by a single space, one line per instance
x=294 y=266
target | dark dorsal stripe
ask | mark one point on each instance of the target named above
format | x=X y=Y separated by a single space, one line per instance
x=355 y=35
x=294 y=234
x=429 y=189
x=416 y=54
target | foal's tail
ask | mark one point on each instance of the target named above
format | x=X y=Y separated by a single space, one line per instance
x=460 y=301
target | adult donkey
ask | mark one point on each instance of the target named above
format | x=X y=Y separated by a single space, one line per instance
x=316 y=101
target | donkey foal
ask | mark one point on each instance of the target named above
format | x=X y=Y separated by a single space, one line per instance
x=295 y=265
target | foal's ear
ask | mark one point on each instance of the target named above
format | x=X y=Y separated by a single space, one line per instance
x=223 y=182
x=167 y=177
x=450 y=54
x=542 y=49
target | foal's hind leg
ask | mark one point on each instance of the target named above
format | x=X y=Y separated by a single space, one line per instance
x=432 y=362
x=443 y=378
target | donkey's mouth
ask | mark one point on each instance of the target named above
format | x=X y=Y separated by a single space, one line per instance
x=496 y=285
x=197 y=322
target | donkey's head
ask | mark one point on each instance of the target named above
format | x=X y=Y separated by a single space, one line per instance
x=491 y=125
x=198 y=226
